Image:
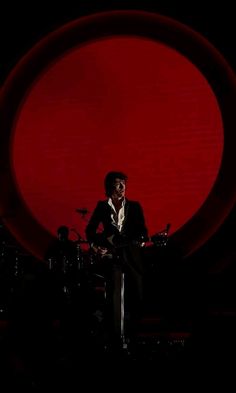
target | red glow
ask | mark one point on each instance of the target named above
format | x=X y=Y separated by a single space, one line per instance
x=127 y=104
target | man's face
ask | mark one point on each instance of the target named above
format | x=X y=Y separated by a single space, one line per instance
x=119 y=188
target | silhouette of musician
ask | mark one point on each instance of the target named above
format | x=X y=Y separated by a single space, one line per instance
x=118 y=250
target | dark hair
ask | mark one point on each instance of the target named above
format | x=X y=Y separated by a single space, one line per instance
x=63 y=230
x=110 y=180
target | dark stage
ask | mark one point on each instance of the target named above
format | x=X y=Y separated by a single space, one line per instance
x=52 y=341
x=52 y=337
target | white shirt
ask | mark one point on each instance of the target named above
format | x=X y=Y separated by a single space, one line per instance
x=117 y=219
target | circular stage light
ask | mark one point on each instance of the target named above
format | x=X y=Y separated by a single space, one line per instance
x=129 y=91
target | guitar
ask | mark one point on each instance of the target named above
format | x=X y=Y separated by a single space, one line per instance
x=114 y=244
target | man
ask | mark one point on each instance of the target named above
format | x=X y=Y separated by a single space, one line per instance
x=124 y=232
x=62 y=252
x=61 y=257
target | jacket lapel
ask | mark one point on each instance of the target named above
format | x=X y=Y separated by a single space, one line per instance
x=126 y=212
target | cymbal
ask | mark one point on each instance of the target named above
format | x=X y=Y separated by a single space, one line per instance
x=82 y=211
x=81 y=241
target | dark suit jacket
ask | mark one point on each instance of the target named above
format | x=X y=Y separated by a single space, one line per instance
x=133 y=227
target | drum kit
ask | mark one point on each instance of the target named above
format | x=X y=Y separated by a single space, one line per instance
x=84 y=258
x=72 y=265
x=81 y=268
x=11 y=258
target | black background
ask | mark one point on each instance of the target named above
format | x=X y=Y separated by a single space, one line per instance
x=23 y=25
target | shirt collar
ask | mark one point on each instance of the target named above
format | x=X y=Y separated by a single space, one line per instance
x=109 y=201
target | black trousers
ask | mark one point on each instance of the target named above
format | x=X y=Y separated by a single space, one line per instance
x=125 y=265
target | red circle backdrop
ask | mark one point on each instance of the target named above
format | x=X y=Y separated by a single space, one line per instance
x=120 y=103
x=123 y=90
